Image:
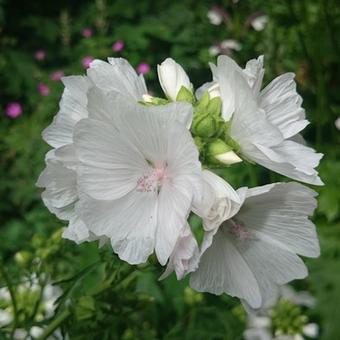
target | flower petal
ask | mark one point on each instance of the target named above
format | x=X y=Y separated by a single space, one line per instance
x=110 y=166
x=72 y=109
x=280 y=216
x=289 y=158
x=222 y=269
x=129 y=222
x=117 y=75
x=283 y=105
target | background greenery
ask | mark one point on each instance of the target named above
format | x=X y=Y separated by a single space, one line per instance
x=103 y=298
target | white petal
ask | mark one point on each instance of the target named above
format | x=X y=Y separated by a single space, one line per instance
x=129 y=222
x=257 y=334
x=110 y=166
x=222 y=188
x=283 y=105
x=174 y=203
x=178 y=111
x=254 y=72
x=76 y=231
x=185 y=256
x=205 y=87
x=224 y=75
x=72 y=109
x=223 y=270
x=290 y=159
x=228 y=158
x=249 y=123
x=280 y=216
x=59 y=183
x=117 y=75
x=270 y=264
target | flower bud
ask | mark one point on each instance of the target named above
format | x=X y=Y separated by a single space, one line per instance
x=172 y=77
x=206 y=125
x=23 y=258
x=219 y=151
x=229 y=157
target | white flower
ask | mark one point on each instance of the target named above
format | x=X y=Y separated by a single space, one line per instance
x=138 y=174
x=257 y=334
x=337 y=123
x=231 y=44
x=259 y=22
x=215 y=16
x=214 y=50
x=254 y=250
x=5 y=317
x=266 y=123
x=59 y=177
x=301 y=298
x=172 y=77
x=311 y=330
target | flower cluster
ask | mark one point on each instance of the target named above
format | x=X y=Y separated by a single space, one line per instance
x=128 y=169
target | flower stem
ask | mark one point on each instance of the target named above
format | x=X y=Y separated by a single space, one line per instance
x=13 y=298
x=55 y=324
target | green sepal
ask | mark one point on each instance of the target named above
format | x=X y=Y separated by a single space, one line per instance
x=185 y=95
x=214 y=107
x=202 y=104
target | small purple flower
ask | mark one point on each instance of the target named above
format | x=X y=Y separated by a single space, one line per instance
x=43 y=89
x=40 y=55
x=143 y=68
x=86 y=61
x=87 y=32
x=13 y=110
x=57 y=75
x=118 y=46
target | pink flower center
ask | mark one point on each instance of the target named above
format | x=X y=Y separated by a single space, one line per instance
x=153 y=181
x=239 y=230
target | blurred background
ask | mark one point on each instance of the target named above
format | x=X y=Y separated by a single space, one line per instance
x=54 y=289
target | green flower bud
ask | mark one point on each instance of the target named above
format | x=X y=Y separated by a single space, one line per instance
x=203 y=102
x=220 y=152
x=215 y=106
x=23 y=258
x=206 y=125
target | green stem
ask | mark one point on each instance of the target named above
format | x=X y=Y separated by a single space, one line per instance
x=55 y=324
x=13 y=298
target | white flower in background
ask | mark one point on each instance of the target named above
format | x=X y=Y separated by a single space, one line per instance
x=260 y=326
x=5 y=317
x=337 y=123
x=259 y=22
x=59 y=177
x=138 y=174
x=216 y=15
x=254 y=251
x=230 y=44
x=172 y=77
x=266 y=123
x=214 y=50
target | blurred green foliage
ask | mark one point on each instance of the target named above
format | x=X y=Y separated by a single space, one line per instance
x=104 y=298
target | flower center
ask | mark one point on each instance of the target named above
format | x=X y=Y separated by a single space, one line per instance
x=239 y=230
x=153 y=181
